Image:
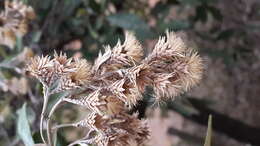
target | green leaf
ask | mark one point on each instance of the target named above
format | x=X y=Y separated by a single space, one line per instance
x=25 y=1
x=216 y=13
x=226 y=34
x=23 y=128
x=209 y=132
x=10 y=62
x=131 y=22
x=61 y=141
x=216 y=53
x=19 y=43
x=175 y=25
x=70 y=6
x=55 y=98
x=183 y=106
x=190 y=2
x=161 y=11
x=36 y=36
x=201 y=14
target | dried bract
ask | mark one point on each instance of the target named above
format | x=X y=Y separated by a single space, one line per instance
x=122 y=55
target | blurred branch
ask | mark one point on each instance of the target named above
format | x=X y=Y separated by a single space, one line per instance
x=51 y=13
x=185 y=136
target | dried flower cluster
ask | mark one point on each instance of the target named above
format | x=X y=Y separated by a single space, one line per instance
x=14 y=21
x=116 y=82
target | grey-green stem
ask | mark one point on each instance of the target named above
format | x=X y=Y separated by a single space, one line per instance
x=49 y=124
x=64 y=126
x=44 y=108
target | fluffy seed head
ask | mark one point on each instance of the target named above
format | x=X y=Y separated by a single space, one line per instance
x=173 y=67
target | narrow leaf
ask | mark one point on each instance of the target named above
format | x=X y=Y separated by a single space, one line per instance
x=209 y=132
x=131 y=22
x=36 y=36
x=23 y=128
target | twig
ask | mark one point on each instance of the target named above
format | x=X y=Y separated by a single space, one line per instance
x=48 y=18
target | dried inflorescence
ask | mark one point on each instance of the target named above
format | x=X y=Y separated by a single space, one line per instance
x=173 y=67
x=14 y=21
x=117 y=80
x=120 y=129
x=69 y=73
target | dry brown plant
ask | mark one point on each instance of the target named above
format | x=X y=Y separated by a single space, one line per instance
x=114 y=83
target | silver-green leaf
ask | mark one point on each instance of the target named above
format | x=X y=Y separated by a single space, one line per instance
x=23 y=128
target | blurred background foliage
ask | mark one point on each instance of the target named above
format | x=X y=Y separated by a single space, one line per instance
x=226 y=33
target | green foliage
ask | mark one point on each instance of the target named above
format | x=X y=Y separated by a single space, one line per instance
x=182 y=106
x=175 y=25
x=132 y=22
x=36 y=36
x=54 y=98
x=23 y=128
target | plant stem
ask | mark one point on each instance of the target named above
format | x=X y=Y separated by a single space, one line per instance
x=41 y=129
x=49 y=133
x=55 y=106
x=88 y=141
x=49 y=125
x=64 y=126
x=43 y=114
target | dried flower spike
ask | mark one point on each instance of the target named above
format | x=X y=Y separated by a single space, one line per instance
x=173 y=67
x=116 y=82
